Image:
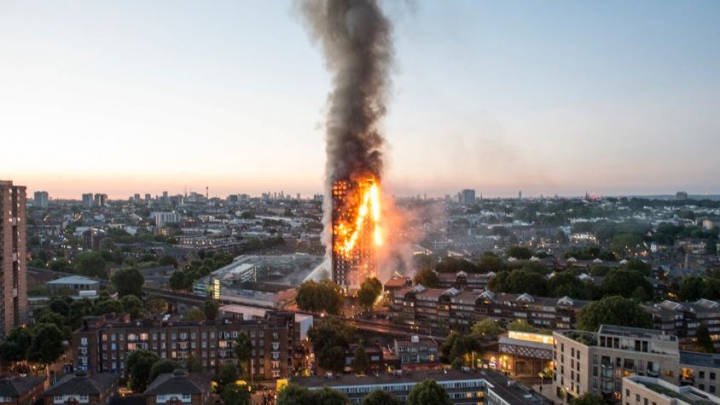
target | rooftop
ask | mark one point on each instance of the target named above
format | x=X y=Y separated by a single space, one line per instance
x=73 y=280
x=700 y=359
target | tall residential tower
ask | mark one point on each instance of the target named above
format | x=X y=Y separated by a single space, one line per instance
x=13 y=305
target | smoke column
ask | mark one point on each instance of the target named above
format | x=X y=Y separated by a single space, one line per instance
x=357 y=45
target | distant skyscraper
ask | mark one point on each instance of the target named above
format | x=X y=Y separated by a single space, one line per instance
x=136 y=198
x=87 y=200
x=100 y=200
x=13 y=305
x=681 y=195
x=466 y=197
x=148 y=197
x=41 y=199
x=520 y=195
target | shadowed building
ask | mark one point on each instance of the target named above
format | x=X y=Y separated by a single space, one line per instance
x=13 y=307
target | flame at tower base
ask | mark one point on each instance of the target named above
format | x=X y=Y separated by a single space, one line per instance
x=355 y=231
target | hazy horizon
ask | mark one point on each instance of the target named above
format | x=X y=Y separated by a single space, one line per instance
x=614 y=98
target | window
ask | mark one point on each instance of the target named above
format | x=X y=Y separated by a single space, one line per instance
x=83 y=341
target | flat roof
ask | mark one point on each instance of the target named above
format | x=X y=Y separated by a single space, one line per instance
x=73 y=280
x=700 y=359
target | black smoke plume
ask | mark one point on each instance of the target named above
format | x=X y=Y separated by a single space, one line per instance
x=357 y=45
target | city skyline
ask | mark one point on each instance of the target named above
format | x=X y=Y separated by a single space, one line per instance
x=554 y=99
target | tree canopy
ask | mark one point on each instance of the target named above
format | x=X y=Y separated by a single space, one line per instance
x=380 y=397
x=428 y=392
x=330 y=339
x=427 y=277
x=369 y=292
x=47 y=344
x=317 y=297
x=138 y=365
x=613 y=310
x=128 y=281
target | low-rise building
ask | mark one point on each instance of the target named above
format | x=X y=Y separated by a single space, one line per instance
x=417 y=353
x=700 y=370
x=638 y=390
x=21 y=390
x=81 y=388
x=72 y=284
x=179 y=388
x=465 y=387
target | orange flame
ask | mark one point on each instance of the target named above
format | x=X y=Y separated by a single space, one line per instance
x=368 y=209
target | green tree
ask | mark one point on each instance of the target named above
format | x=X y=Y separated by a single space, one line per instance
x=567 y=284
x=16 y=345
x=428 y=392
x=326 y=396
x=61 y=265
x=451 y=264
x=168 y=261
x=427 y=277
x=519 y=252
x=234 y=394
x=626 y=283
x=380 y=397
x=295 y=395
x=227 y=375
x=613 y=310
x=521 y=325
x=46 y=345
x=128 y=282
x=369 y=292
x=588 y=399
x=193 y=364
x=156 y=305
x=711 y=289
x=178 y=281
x=91 y=264
x=487 y=328
x=133 y=306
x=329 y=340
x=103 y=307
x=490 y=262
x=163 y=366
x=242 y=350
x=138 y=365
x=194 y=315
x=523 y=281
x=60 y=306
x=211 y=309
x=691 y=288
x=703 y=340
x=317 y=297
x=361 y=361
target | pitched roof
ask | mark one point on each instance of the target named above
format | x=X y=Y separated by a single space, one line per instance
x=178 y=382
x=82 y=384
x=18 y=386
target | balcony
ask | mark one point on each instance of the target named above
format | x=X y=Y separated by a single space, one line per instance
x=653 y=373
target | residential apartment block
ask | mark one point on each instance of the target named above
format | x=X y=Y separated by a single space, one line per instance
x=435 y=309
x=683 y=319
x=13 y=258
x=102 y=345
x=597 y=362
x=639 y=390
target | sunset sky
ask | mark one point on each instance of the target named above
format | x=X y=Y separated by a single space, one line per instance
x=556 y=97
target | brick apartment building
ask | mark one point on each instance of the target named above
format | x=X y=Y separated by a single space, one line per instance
x=102 y=344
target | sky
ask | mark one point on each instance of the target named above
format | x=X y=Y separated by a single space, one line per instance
x=553 y=97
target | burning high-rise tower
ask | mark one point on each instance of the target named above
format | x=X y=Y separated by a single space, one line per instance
x=355 y=231
x=357 y=44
